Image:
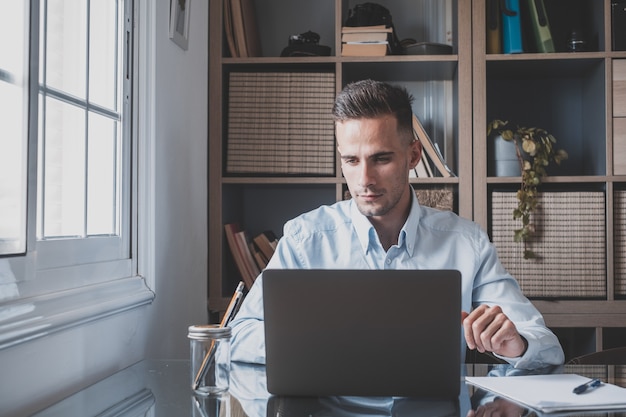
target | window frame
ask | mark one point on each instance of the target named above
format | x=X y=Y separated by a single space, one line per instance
x=54 y=295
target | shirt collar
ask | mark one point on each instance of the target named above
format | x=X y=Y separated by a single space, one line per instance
x=362 y=226
x=366 y=233
x=410 y=226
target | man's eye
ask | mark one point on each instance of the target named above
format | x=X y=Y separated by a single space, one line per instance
x=383 y=159
x=350 y=161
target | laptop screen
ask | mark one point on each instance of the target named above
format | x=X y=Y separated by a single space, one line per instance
x=363 y=332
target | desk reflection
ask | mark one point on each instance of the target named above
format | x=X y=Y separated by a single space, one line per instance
x=249 y=389
x=161 y=388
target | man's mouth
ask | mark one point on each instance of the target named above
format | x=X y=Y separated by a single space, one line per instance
x=369 y=197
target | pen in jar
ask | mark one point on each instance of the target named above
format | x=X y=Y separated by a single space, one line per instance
x=231 y=310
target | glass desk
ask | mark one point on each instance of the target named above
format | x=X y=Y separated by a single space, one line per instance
x=162 y=389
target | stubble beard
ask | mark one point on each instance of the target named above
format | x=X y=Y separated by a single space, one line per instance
x=375 y=209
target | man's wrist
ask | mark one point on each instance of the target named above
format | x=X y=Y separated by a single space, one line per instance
x=525 y=342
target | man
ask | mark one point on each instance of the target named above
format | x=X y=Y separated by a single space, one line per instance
x=384 y=227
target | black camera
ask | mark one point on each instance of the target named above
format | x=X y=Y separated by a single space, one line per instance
x=305 y=44
x=303 y=38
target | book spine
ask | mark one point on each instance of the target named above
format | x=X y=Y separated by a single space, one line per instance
x=231 y=229
x=365 y=49
x=265 y=246
x=242 y=242
x=511 y=28
x=228 y=30
x=238 y=29
x=494 y=27
x=618 y=16
x=429 y=147
x=252 y=39
x=541 y=26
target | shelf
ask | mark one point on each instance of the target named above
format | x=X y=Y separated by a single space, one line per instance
x=281 y=180
x=583 y=313
x=435 y=180
x=280 y=60
x=440 y=83
x=567 y=93
x=323 y=180
x=575 y=179
x=543 y=66
x=401 y=70
x=561 y=97
x=339 y=59
x=558 y=56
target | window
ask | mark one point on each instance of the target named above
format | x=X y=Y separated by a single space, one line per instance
x=80 y=112
x=13 y=112
x=65 y=154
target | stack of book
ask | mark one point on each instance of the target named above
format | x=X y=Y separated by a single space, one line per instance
x=365 y=40
x=511 y=22
x=250 y=255
x=241 y=29
x=264 y=246
x=431 y=156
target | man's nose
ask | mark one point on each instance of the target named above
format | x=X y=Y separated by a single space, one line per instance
x=366 y=175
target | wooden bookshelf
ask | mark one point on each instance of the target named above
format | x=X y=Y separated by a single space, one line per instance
x=569 y=94
x=260 y=201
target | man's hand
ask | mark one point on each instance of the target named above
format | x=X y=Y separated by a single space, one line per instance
x=499 y=407
x=488 y=329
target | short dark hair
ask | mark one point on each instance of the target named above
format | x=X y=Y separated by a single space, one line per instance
x=369 y=99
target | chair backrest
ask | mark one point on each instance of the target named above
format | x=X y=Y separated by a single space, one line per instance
x=614 y=356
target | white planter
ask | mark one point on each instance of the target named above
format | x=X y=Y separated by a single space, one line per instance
x=502 y=158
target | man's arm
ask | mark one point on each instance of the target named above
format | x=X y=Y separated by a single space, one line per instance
x=488 y=329
x=248 y=328
x=503 y=320
x=248 y=333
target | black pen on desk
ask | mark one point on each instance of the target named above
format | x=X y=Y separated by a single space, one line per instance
x=594 y=383
x=229 y=315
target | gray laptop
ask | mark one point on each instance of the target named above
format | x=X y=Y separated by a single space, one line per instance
x=363 y=332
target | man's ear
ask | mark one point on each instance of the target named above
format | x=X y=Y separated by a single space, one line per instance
x=415 y=151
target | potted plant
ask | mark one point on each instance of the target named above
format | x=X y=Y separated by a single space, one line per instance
x=535 y=150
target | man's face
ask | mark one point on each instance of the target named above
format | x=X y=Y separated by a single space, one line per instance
x=375 y=162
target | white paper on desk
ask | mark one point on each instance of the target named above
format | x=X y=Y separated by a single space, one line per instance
x=553 y=393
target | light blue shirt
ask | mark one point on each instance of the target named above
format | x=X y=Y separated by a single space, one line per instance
x=340 y=237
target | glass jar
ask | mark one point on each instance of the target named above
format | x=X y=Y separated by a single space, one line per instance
x=210 y=358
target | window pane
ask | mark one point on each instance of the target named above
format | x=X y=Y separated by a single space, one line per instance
x=13 y=121
x=80 y=129
x=64 y=169
x=103 y=53
x=102 y=176
x=65 y=43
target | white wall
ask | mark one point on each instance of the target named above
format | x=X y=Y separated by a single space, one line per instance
x=39 y=372
x=181 y=184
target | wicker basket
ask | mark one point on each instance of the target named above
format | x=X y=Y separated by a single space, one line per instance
x=590 y=371
x=620 y=375
x=280 y=123
x=570 y=242
x=620 y=241
x=439 y=198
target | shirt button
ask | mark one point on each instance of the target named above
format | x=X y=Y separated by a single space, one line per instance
x=388 y=261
